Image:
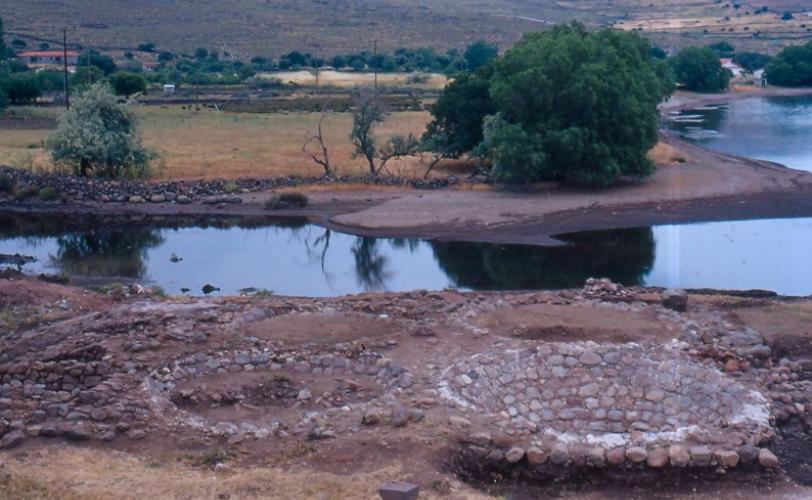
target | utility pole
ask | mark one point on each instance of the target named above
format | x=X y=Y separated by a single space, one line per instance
x=375 y=62
x=317 y=68
x=65 y=61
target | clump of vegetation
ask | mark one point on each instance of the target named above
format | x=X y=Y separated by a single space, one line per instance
x=370 y=112
x=6 y=184
x=126 y=83
x=566 y=104
x=751 y=61
x=99 y=136
x=48 y=193
x=286 y=200
x=699 y=69
x=231 y=187
x=24 y=192
x=792 y=67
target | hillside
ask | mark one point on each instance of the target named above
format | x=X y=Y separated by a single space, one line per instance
x=271 y=27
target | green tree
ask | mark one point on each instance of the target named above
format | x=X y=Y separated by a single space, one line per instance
x=575 y=106
x=126 y=83
x=94 y=58
x=751 y=61
x=21 y=88
x=479 y=54
x=458 y=114
x=699 y=69
x=792 y=67
x=723 y=49
x=99 y=135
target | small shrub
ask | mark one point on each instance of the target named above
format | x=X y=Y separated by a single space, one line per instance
x=286 y=200
x=418 y=78
x=231 y=187
x=678 y=159
x=6 y=184
x=48 y=193
x=24 y=192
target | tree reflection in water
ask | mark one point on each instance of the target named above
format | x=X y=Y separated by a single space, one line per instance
x=106 y=252
x=625 y=256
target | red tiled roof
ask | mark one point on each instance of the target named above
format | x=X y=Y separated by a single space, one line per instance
x=48 y=53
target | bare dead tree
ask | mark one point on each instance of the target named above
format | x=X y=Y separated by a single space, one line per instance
x=369 y=112
x=321 y=157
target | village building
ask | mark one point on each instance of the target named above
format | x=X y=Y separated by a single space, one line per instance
x=734 y=68
x=44 y=58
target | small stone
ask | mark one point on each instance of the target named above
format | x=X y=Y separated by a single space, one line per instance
x=765 y=457
x=636 y=454
x=136 y=434
x=657 y=458
x=675 y=299
x=398 y=490
x=11 y=439
x=727 y=458
x=183 y=199
x=371 y=417
x=655 y=395
x=400 y=417
x=616 y=456
x=748 y=453
x=700 y=456
x=596 y=457
x=590 y=358
x=560 y=454
x=514 y=455
x=591 y=389
x=459 y=422
x=732 y=365
x=679 y=456
x=536 y=456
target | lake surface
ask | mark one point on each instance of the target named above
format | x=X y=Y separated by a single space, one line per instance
x=777 y=129
x=297 y=258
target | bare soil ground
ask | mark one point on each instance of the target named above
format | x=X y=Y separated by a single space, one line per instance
x=326 y=444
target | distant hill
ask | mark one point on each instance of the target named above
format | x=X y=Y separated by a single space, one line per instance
x=270 y=27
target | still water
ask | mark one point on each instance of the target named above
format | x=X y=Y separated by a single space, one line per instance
x=777 y=129
x=297 y=258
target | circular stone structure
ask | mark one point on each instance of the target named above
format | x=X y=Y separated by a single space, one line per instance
x=606 y=395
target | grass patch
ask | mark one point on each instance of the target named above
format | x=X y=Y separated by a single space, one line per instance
x=48 y=193
x=286 y=200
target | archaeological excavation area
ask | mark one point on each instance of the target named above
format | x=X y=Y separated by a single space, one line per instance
x=492 y=393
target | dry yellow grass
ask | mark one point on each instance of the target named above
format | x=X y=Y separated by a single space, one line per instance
x=67 y=473
x=211 y=144
x=664 y=154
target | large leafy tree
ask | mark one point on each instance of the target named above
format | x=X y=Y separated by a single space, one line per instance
x=479 y=54
x=699 y=69
x=792 y=67
x=575 y=106
x=566 y=104
x=127 y=83
x=99 y=135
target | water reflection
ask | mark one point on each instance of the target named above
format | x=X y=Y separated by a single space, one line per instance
x=769 y=128
x=625 y=256
x=297 y=258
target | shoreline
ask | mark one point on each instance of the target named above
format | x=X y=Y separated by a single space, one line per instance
x=702 y=186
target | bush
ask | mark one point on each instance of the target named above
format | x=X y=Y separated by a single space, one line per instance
x=99 y=135
x=286 y=200
x=126 y=83
x=699 y=69
x=24 y=192
x=752 y=61
x=6 y=184
x=48 y=193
